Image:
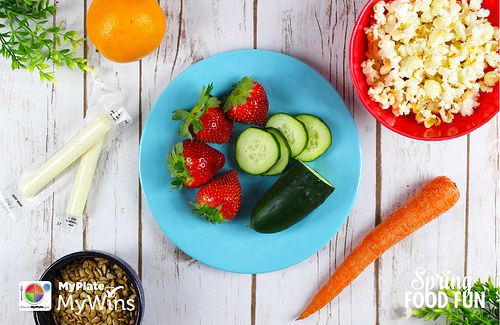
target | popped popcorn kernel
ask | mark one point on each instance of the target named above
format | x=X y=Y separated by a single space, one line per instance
x=491 y=78
x=432 y=89
x=431 y=58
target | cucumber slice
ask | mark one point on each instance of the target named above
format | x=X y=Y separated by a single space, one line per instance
x=256 y=151
x=294 y=131
x=285 y=151
x=320 y=137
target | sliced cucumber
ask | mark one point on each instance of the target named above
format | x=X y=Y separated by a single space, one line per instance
x=320 y=137
x=257 y=151
x=294 y=131
x=285 y=153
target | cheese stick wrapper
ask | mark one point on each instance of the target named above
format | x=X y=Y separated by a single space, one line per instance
x=81 y=187
x=73 y=150
x=54 y=175
x=83 y=180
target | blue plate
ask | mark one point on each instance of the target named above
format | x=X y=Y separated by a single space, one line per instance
x=292 y=87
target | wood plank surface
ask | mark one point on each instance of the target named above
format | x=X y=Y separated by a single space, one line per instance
x=439 y=246
x=482 y=243
x=40 y=117
x=66 y=102
x=24 y=101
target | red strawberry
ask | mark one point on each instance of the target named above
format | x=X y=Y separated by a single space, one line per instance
x=193 y=163
x=220 y=199
x=206 y=121
x=247 y=103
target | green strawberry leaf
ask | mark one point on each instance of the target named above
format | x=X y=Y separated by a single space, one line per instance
x=179 y=166
x=170 y=164
x=176 y=182
x=205 y=92
x=176 y=166
x=212 y=215
x=197 y=126
x=213 y=102
x=239 y=94
x=205 y=101
x=184 y=129
x=180 y=114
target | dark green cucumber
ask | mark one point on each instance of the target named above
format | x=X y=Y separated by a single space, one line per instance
x=293 y=197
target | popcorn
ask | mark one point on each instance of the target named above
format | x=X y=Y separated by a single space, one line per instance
x=432 y=89
x=371 y=74
x=431 y=57
x=491 y=78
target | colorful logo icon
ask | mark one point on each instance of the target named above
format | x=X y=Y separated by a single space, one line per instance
x=35 y=295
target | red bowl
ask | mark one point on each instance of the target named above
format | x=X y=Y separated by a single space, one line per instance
x=406 y=125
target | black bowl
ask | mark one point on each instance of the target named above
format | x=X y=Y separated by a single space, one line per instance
x=45 y=317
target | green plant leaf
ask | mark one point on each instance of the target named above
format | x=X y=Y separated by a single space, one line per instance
x=459 y=314
x=28 y=38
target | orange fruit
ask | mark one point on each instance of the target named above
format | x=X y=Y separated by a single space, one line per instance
x=125 y=30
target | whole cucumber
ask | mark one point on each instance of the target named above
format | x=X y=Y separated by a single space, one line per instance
x=293 y=197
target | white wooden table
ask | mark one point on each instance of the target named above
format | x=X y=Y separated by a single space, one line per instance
x=37 y=117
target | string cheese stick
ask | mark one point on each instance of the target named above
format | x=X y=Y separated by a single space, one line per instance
x=83 y=180
x=94 y=132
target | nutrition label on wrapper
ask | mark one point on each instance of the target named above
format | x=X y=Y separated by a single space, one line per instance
x=11 y=199
x=16 y=202
x=121 y=117
x=70 y=221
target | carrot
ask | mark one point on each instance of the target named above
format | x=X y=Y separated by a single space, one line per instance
x=434 y=199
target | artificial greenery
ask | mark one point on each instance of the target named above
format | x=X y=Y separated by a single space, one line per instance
x=489 y=314
x=30 y=40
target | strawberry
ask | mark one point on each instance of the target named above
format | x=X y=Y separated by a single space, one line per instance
x=219 y=200
x=193 y=163
x=247 y=103
x=206 y=121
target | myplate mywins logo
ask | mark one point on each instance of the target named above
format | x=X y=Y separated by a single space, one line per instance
x=35 y=295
